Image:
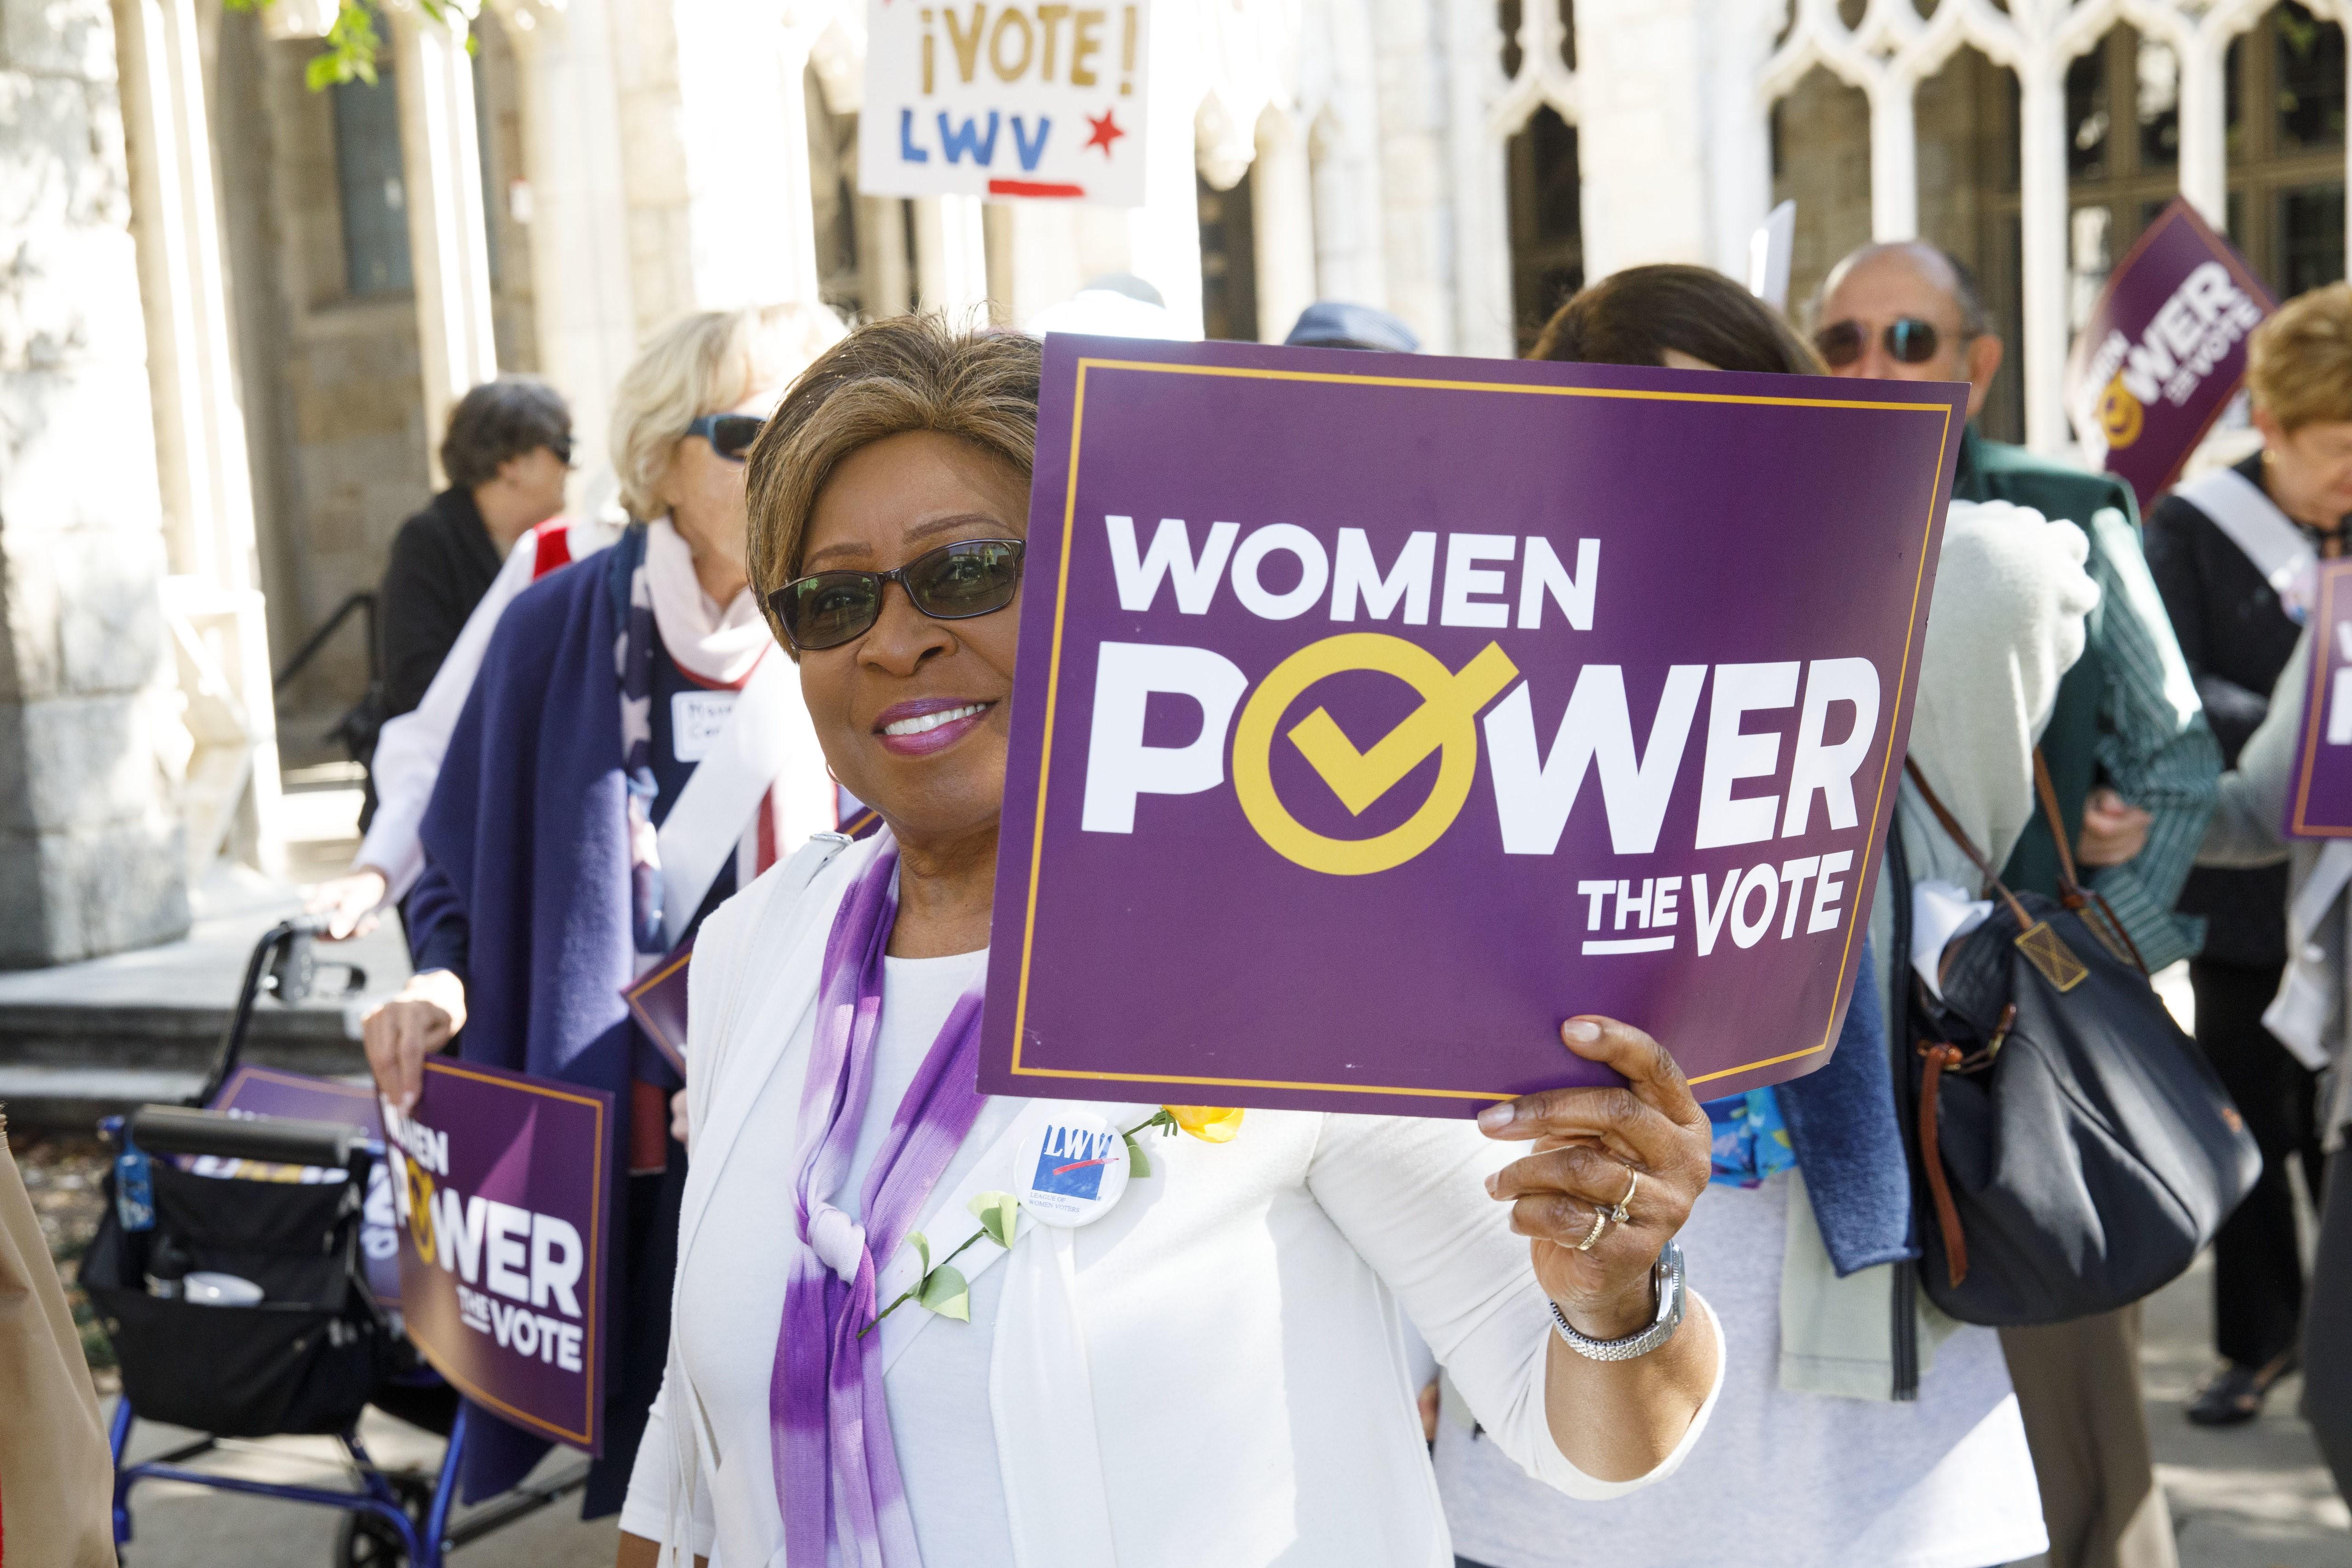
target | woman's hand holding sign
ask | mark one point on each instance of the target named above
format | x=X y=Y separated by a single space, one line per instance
x=1641 y=1150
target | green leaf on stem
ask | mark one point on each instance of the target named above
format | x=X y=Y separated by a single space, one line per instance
x=946 y=1292
x=1137 y=1167
x=996 y=1213
x=922 y=1245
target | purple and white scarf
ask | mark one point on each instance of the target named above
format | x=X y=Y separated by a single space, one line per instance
x=836 y=1469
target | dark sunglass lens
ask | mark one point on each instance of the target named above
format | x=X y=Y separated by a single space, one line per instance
x=1911 y=341
x=969 y=579
x=829 y=608
x=1840 y=345
x=731 y=435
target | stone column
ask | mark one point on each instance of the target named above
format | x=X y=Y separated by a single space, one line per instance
x=882 y=262
x=581 y=288
x=2042 y=243
x=1164 y=233
x=1641 y=67
x=742 y=123
x=448 y=249
x=90 y=849
x=1739 y=128
x=220 y=618
x=1480 y=194
x=1282 y=224
x=1345 y=150
x=1415 y=169
x=952 y=272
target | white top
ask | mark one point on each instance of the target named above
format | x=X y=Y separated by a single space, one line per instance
x=409 y=749
x=938 y=1392
x=1233 y=1332
x=1784 y=1480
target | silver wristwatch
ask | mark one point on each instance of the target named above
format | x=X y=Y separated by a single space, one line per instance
x=1666 y=1278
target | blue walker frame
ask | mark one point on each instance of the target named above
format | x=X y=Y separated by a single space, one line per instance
x=425 y=1546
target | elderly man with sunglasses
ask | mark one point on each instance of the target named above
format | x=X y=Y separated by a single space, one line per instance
x=2137 y=771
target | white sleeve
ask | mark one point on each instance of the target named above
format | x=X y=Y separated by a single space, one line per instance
x=647 y=1509
x=408 y=751
x=1410 y=1193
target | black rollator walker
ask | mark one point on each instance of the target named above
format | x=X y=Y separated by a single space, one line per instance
x=238 y=1305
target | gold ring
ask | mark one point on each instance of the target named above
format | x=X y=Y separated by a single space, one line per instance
x=1632 y=1184
x=1600 y=1224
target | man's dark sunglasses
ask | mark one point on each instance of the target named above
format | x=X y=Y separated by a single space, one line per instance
x=730 y=435
x=953 y=583
x=1910 y=341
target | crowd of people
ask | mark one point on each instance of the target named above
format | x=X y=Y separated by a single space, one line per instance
x=1335 y=1340
x=780 y=475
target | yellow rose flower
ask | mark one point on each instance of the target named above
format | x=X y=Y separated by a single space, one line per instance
x=1209 y=1123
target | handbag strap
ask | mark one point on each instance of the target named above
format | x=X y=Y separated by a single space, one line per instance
x=1959 y=836
x=2098 y=914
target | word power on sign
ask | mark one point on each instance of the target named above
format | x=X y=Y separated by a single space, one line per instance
x=501 y=1191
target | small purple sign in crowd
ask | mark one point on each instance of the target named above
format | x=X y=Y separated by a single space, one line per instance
x=2164 y=350
x=2319 y=792
x=502 y=1183
x=1375 y=714
x=267 y=1091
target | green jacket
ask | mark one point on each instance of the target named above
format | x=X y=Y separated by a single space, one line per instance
x=2127 y=714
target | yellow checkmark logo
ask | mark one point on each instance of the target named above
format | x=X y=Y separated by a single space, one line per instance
x=1445 y=722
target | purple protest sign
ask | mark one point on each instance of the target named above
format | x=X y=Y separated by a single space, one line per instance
x=2164 y=350
x=2319 y=791
x=1318 y=649
x=502 y=1182
x=265 y=1091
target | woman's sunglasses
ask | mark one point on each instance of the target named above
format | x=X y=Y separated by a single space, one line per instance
x=953 y=583
x=730 y=435
x=1910 y=341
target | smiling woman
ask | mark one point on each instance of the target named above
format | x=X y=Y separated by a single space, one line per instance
x=835 y=1051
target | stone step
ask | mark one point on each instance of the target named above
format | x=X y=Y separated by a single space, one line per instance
x=63 y=1066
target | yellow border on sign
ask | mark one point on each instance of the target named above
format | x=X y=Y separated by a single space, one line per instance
x=539 y=1423
x=2325 y=619
x=1053 y=683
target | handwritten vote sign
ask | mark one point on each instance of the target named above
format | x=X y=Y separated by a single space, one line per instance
x=1376 y=714
x=980 y=98
x=502 y=1185
x=2319 y=792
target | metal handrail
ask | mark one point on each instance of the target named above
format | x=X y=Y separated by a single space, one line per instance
x=364 y=603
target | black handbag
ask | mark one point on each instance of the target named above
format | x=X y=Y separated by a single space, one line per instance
x=2072 y=1150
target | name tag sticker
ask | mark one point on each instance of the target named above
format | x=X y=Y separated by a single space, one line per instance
x=697 y=720
x=1072 y=1169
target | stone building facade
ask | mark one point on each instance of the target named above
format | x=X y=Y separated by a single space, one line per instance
x=319 y=275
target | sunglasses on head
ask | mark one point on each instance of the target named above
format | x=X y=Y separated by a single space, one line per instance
x=953 y=583
x=730 y=435
x=1910 y=341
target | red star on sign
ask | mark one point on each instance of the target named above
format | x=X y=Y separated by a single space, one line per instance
x=1106 y=132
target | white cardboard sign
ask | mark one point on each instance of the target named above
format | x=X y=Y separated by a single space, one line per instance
x=1040 y=101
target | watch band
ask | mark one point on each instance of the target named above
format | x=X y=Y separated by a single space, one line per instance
x=1666 y=1278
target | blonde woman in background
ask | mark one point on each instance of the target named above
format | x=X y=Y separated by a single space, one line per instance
x=607 y=687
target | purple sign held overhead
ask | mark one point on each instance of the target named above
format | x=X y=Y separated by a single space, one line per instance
x=2319 y=791
x=1374 y=714
x=502 y=1183
x=2164 y=350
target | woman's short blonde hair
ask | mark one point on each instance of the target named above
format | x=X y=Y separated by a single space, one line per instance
x=887 y=378
x=2299 y=364
x=703 y=363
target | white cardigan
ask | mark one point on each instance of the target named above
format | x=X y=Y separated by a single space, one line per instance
x=1232 y=1331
